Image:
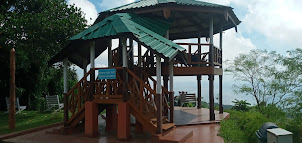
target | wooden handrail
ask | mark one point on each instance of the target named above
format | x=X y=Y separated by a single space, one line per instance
x=75 y=86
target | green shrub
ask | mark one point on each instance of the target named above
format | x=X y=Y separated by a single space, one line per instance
x=231 y=132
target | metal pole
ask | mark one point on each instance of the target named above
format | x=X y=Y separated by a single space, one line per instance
x=159 y=96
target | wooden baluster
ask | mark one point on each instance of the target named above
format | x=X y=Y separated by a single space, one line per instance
x=79 y=96
x=190 y=58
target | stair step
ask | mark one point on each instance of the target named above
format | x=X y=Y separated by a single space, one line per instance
x=166 y=126
x=177 y=136
x=165 y=120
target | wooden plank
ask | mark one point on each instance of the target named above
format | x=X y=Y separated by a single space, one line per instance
x=108 y=101
x=109 y=96
x=188 y=71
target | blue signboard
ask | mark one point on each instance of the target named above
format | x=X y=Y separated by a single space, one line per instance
x=107 y=74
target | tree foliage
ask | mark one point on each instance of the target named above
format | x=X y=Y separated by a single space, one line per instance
x=271 y=78
x=37 y=29
x=241 y=105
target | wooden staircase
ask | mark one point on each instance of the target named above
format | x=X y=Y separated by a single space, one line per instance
x=141 y=98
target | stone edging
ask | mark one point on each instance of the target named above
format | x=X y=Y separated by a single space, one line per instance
x=20 y=133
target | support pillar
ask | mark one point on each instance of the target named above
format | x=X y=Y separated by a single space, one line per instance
x=65 y=67
x=211 y=76
x=123 y=131
x=65 y=74
x=91 y=119
x=111 y=118
x=125 y=65
x=110 y=54
x=220 y=76
x=159 y=98
x=199 y=91
x=131 y=52
x=166 y=80
x=92 y=66
x=139 y=54
x=171 y=94
x=84 y=67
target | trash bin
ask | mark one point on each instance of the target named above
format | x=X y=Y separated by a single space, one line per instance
x=262 y=133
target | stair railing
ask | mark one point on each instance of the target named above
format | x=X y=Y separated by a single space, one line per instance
x=75 y=99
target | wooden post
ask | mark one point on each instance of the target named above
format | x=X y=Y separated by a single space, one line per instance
x=84 y=67
x=171 y=94
x=199 y=91
x=211 y=76
x=166 y=80
x=110 y=53
x=139 y=54
x=12 y=98
x=158 y=95
x=220 y=76
x=131 y=52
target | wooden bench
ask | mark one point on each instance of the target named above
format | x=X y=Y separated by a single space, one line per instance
x=53 y=101
x=17 y=105
x=186 y=97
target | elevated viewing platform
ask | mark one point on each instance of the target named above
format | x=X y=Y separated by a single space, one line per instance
x=139 y=79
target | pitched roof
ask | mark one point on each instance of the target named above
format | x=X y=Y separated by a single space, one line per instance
x=130 y=23
x=147 y=3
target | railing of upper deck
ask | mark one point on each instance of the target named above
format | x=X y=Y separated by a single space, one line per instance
x=200 y=56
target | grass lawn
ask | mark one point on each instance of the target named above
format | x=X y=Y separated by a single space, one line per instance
x=29 y=119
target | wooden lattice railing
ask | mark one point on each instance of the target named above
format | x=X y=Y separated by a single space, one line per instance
x=196 y=57
x=109 y=88
x=149 y=90
x=76 y=97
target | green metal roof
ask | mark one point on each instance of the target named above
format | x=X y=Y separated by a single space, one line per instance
x=147 y=3
x=146 y=30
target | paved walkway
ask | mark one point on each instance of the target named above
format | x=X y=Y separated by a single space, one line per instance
x=206 y=133
x=201 y=134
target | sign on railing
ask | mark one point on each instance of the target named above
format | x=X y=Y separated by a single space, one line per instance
x=107 y=74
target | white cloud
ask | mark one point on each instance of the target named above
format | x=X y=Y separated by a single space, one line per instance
x=234 y=44
x=108 y=4
x=279 y=20
x=88 y=8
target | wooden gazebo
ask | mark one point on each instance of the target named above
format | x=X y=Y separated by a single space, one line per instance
x=127 y=83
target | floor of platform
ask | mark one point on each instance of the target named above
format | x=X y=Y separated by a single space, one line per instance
x=193 y=116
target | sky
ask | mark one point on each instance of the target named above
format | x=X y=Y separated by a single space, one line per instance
x=273 y=25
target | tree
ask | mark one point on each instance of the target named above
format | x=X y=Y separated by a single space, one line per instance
x=37 y=29
x=254 y=73
x=293 y=75
x=272 y=79
x=241 y=105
